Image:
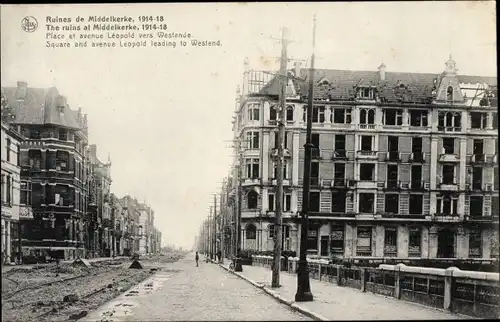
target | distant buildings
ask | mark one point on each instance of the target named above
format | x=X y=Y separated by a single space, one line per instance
x=405 y=165
x=53 y=180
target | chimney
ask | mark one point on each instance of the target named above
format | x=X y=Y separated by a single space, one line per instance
x=245 y=77
x=22 y=89
x=297 y=65
x=381 y=71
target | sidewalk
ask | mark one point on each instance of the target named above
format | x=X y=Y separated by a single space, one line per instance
x=6 y=268
x=332 y=302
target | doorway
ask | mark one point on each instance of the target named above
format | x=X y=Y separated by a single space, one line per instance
x=446 y=243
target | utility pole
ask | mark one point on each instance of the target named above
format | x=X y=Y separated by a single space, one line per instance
x=222 y=222
x=237 y=264
x=211 y=244
x=215 y=226
x=303 y=286
x=281 y=136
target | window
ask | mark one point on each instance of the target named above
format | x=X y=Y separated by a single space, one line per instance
x=449 y=94
x=476 y=206
x=318 y=114
x=25 y=197
x=252 y=199
x=339 y=172
x=475 y=243
x=418 y=118
x=447 y=205
x=494 y=121
x=340 y=145
x=366 y=143
x=393 y=117
x=251 y=232
x=338 y=201
x=416 y=144
x=342 y=116
x=416 y=176
x=2 y=188
x=287 y=204
x=285 y=170
x=315 y=142
x=289 y=113
x=252 y=168
x=478 y=147
x=324 y=245
x=276 y=140
x=448 y=145
x=390 y=241
x=253 y=112
x=8 y=190
x=253 y=140
x=366 y=203
x=449 y=120
x=315 y=169
x=477 y=178
x=367 y=93
x=337 y=241
x=393 y=143
x=448 y=174
x=271 y=202
x=414 y=242
x=392 y=203
x=312 y=239
x=273 y=113
x=63 y=135
x=495 y=205
x=416 y=204
x=392 y=175
x=364 y=241
x=7 y=154
x=314 y=201
x=367 y=171
x=366 y=116
x=478 y=120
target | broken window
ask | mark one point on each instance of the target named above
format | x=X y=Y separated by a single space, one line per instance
x=448 y=176
x=414 y=242
x=393 y=116
x=390 y=241
x=252 y=168
x=253 y=140
x=366 y=203
x=448 y=145
x=342 y=116
x=289 y=113
x=338 y=201
x=366 y=116
x=476 y=206
x=35 y=159
x=478 y=120
x=416 y=204
x=367 y=171
x=252 y=199
x=314 y=201
x=35 y=133
x=392 y=203
x=477 y=178
x=447 y=205
x=475 y=243
x=364 y=241
x=418 y=118
x=366 y=143
x=318 y=114
x=62 y=161
x=253 y=112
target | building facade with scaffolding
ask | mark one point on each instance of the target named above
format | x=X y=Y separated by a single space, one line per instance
x=405 y=165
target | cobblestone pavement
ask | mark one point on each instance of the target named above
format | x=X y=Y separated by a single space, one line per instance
x=344 y=303
x=183 y=292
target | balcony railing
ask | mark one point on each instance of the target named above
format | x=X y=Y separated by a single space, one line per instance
x=339 y=154
x=393 y=156
x=417 y=157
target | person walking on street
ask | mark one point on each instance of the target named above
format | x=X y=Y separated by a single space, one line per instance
x=196 y=258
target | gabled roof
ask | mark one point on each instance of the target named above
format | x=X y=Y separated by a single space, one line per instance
x=39 y=106
x=397 y=86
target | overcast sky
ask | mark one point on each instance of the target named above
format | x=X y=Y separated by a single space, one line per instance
x=164 y=114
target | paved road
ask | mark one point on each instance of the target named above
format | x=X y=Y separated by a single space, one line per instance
x=182 y=292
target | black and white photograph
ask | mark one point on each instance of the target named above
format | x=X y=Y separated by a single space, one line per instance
x=249 y=161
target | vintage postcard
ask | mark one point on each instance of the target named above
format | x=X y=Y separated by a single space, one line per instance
x=249 y=161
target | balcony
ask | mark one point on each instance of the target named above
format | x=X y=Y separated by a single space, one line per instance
x=366 y=184
x=339 y=155
x=417 y=157
x=445 y=217
x=367 y=126
x=450 y=129
x=251 y=181
x=364 y=154
x=478 y=158
x=286 y=152
x=342 y=183
x=448 y=186
x=392 y=185
x=418 y=185
x=394 y=156
x=286 y=182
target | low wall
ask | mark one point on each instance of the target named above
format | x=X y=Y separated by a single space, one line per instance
x=471 y=293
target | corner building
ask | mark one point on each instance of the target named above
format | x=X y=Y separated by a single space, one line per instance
x=405 y=165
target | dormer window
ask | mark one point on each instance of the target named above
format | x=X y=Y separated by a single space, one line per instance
x=449 y=94
x=367 y=93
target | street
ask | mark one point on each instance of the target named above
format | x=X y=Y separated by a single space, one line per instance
x=182 y=291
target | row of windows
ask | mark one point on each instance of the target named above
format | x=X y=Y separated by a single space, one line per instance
x=446 y=204
x=7 y=190
x=390 y=116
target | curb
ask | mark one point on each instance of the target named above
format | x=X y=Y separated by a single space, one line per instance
x=280 y=299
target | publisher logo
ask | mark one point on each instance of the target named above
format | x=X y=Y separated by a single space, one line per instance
x=29 y=24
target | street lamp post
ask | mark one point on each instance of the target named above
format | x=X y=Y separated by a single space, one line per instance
x=303 y=286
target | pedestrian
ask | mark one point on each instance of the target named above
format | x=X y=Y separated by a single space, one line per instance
x=196 y=258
